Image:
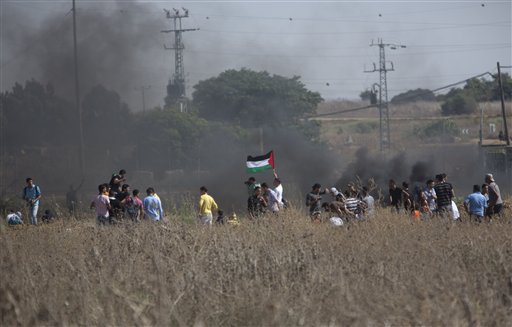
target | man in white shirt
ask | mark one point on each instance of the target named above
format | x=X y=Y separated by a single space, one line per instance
x=369 y=202
x=271 y=197
x=278 y=190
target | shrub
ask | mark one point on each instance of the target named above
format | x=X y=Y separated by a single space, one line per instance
x=459 y=104
x=366 y=127
x=438 y=130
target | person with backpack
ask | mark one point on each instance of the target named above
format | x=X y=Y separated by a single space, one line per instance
x=32 y=195
x=134 y=207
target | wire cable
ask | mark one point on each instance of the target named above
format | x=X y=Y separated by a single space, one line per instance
x=411 y=96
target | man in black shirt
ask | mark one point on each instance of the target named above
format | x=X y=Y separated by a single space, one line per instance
x=117 y=180
x=314 y=201
x=124 y=194
x=444 y=193
x=395 y=196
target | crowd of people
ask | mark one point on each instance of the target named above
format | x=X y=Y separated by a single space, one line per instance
x=434 y=199
x=116 y=202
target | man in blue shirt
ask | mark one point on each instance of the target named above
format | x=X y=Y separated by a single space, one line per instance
x=32 y=194
x=475 y=204
x=153 y=206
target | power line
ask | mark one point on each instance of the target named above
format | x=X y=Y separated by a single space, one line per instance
x=336 y=56
x=331 y=20
x=411 y=96
x=494 y=24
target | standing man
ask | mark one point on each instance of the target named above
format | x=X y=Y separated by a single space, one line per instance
x=256 y=204
x=32 y=194
x=444 y=193
x=406 y=197
x=72 y=197
x=278 y=189
x=102 y=205
x=354 y=205
x=475 y=204
x=134 y=206
x=314 y=201
x=153 y=206
x=395 y=196
x=369 y=201
x=271 y=198
x=495 y=200
x=429 y=197
x=117 y=180
x=206 y=207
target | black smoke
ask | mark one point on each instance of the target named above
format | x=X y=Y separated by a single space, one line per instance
x=113 y=46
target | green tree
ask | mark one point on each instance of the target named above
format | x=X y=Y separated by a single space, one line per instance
x=368 y=95
x=506 y=81
x=35 y=116
x=441 y=130
x=480 y=89
x=458 y=102
x=169 y=137
x=414 y=95
x=254 y=99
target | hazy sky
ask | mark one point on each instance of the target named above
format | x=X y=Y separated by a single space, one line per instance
x=323 y=42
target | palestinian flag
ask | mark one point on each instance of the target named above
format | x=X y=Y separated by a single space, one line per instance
x=260 y=163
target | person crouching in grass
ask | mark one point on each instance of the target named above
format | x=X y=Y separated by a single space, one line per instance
x=14 y=218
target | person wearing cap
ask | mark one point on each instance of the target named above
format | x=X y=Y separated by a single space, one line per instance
x=336 y=195
x=251 y=185
x=495 y=200
x=475 y=204
x=338 y=209
x=314 y=201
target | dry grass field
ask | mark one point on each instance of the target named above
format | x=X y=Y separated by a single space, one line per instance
x=279 y=271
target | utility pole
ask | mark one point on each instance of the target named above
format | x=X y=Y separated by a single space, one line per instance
x=77 y=98
x=143 y=89
x=178 y=79
x=502 y=97
x=385 y=135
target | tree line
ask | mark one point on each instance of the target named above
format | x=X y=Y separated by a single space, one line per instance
x=224 y=110
x=463 y=100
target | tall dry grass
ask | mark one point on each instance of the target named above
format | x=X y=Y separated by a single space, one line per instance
x=280 y=271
